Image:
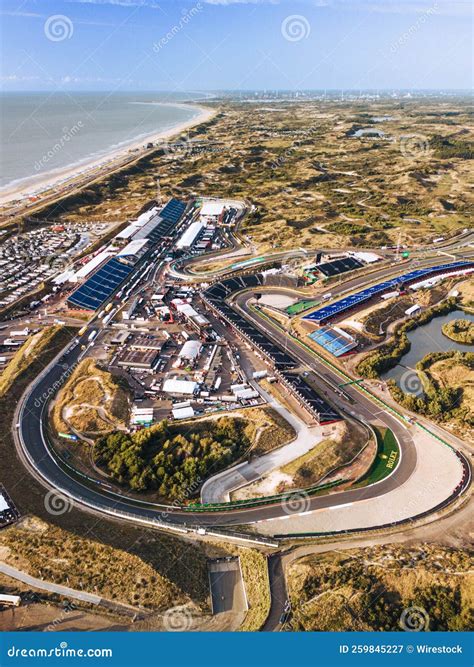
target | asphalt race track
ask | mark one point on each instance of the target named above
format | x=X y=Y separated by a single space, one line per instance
x=32 y=444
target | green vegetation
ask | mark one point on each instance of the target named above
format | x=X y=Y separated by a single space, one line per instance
x=138 y=572
x=173 y=460
x=386 y=460
x=385 y=316
x=461 y=331
x=31 y=351
x=302 y=172
x=388 y=355
x=257 y=587
x=375 y=588
x=448 y=148
x=442 y=401
x=271 y=430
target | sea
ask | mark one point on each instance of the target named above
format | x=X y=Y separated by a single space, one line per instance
x=42 y=133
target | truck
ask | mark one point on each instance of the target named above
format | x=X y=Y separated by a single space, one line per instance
x=20 y=332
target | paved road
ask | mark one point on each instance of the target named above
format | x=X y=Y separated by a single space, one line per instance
x=71 y=593
x=219 y=487
x=278 y=593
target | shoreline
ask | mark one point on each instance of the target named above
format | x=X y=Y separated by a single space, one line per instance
x=69 y=177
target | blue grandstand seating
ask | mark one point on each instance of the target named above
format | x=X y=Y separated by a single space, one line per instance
x=327 y=312
x=100 y=286
x=333 y=341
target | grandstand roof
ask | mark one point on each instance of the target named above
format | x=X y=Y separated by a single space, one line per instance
x=323 y=314
x=101 y=286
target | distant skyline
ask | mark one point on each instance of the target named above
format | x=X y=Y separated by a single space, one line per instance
x=146 y=45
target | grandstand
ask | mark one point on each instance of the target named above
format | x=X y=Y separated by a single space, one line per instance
x=100 y=286
x=103 y=284
x=281 y=360
x=338 y=266
x=334 y=340
x=348 y=303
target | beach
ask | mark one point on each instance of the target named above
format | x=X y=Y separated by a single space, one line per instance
x=66 y=178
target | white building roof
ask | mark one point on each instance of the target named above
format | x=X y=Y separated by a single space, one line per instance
x=3 y=504
x=190 y=235
x=179 y=386
x=145 y=217
x=133 y=248
x=212 y=208
x=66 y=276
x=367 y=257
x=190 y=349
x=127 y=233
x=183 y=413
x=94 y=263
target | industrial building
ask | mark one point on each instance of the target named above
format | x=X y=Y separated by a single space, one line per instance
x=190 y=235
x=190 y=351
x=146 y=343
x=140 y=359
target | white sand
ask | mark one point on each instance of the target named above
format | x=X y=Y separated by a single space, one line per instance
x=72 y=176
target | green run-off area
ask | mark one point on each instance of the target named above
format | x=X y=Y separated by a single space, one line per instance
x=301 y=306
x=386 y=460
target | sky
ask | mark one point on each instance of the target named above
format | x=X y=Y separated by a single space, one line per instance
x=175 y=45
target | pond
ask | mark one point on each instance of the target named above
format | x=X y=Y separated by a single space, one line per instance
x=425 y=339
x=368 y=132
